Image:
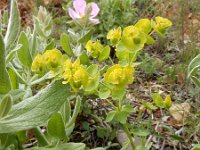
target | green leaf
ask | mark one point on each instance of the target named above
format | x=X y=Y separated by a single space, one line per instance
x=94 y=77
x=66 y=111
x=121 y=117
x=118 y=92
x=104 y=54
x=36 y=110
x=5 y=105
x=158 y=101
x=5 y=84
x=140 y=131
x=84 y=59
x=104 y=91
x=50 y=46
x=196 y=81
x=75 y=113
x=56 y=126
x=128 y=108
x=21 y=136
x=24 y=53
x=13 y=78
x=86 y=37
x=33 y=48
x=66 y=146
x=193 y=64
x=12 y=53
x=110 y=116
x=64 y=39
x=150 y=40
x=13 y=25
x=38 y=29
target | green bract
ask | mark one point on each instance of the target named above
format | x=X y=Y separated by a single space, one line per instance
x=94 y=48
x=144 y=25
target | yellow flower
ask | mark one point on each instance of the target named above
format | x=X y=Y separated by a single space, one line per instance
x=162 y=24
x=67 y=74
x=75 y=74
x=80 y=75
x=94 y=48
x=119 y=75
x=168 y=101
x=114 y=35
x=53 y=59
x=133 y=38
x=38 y=65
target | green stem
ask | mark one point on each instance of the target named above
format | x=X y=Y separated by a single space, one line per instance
x=111 y=60
x=41 y=137
x=111 y=103
x=129 y=136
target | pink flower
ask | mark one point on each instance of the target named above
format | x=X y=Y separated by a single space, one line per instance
x=81 y=9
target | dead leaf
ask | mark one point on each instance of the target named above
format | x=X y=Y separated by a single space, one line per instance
x=180 y=111
x=195 y=21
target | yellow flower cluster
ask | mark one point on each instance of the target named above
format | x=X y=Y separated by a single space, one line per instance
x=119 y=75
x=134 y=37
x=75 y=74
x=51 y=60
x=127 y=43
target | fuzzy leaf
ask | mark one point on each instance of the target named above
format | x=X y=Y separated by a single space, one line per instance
x=36 y=110
x=13 y=25
x=5 y=84
x=86 y=37
x=65 y=44
x=56 y=126
x=24 y=54
x=5 y=105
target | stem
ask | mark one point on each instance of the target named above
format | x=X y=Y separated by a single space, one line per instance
x=111 y=60
x=111 y=103
x=129 y=136
x=41 y=137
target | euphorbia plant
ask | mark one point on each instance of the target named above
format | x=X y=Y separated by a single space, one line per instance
x=110 y=83
x=32 y=60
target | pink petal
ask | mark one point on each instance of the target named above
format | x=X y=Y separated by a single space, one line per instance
x=73 y=14
x=94 y=21
x=95 y=9
x=80 y=6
